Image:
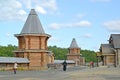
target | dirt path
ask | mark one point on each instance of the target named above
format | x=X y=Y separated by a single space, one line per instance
x=75 y=73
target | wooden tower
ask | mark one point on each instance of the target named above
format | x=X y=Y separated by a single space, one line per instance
x=74 y=52
x=32 y=43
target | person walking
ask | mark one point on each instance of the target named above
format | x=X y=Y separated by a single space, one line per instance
x=15 y=67
x=64 y=65
x=91 y=64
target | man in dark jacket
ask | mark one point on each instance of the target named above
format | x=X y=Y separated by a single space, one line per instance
x=64 y=65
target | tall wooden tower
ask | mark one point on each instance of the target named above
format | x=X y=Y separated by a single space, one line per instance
x=32 y=43
x=74 y=52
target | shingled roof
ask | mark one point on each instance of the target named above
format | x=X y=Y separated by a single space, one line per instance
x=115 y=38
x=32 y=24
x=107 y=49
x=13 y=60
x=73 y=44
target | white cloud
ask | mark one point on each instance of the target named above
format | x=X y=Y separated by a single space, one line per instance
x=112 y=25
x=100 y=0
x=42 y=6
x=87 y=35
x=15 y=9
x=82 y=24
x=27 y=3
x=51 y=4
x=8 y=34
x=11 y=12
x=54 y=26
x=75 y=24
x=40 y=10
x=21 y=12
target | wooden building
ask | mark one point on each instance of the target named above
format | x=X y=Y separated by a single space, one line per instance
x=32 y=50
x=110 y=53
x=32 y=43
x=74 y=53
x=7 y=63
x=107 y=54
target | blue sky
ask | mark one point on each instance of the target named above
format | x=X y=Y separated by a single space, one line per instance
x=90 y=22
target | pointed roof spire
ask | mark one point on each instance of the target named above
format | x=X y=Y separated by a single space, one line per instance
x=32 y=24
x=73 y=44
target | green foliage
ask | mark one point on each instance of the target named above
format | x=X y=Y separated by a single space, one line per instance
x=89 y=55
x=7 y=50
x=60 y=53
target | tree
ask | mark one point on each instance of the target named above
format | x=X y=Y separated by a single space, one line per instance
x=60 y=53
x=7 y=51
x=89 y=55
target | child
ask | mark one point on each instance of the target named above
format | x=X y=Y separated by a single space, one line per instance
x=15 y=67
